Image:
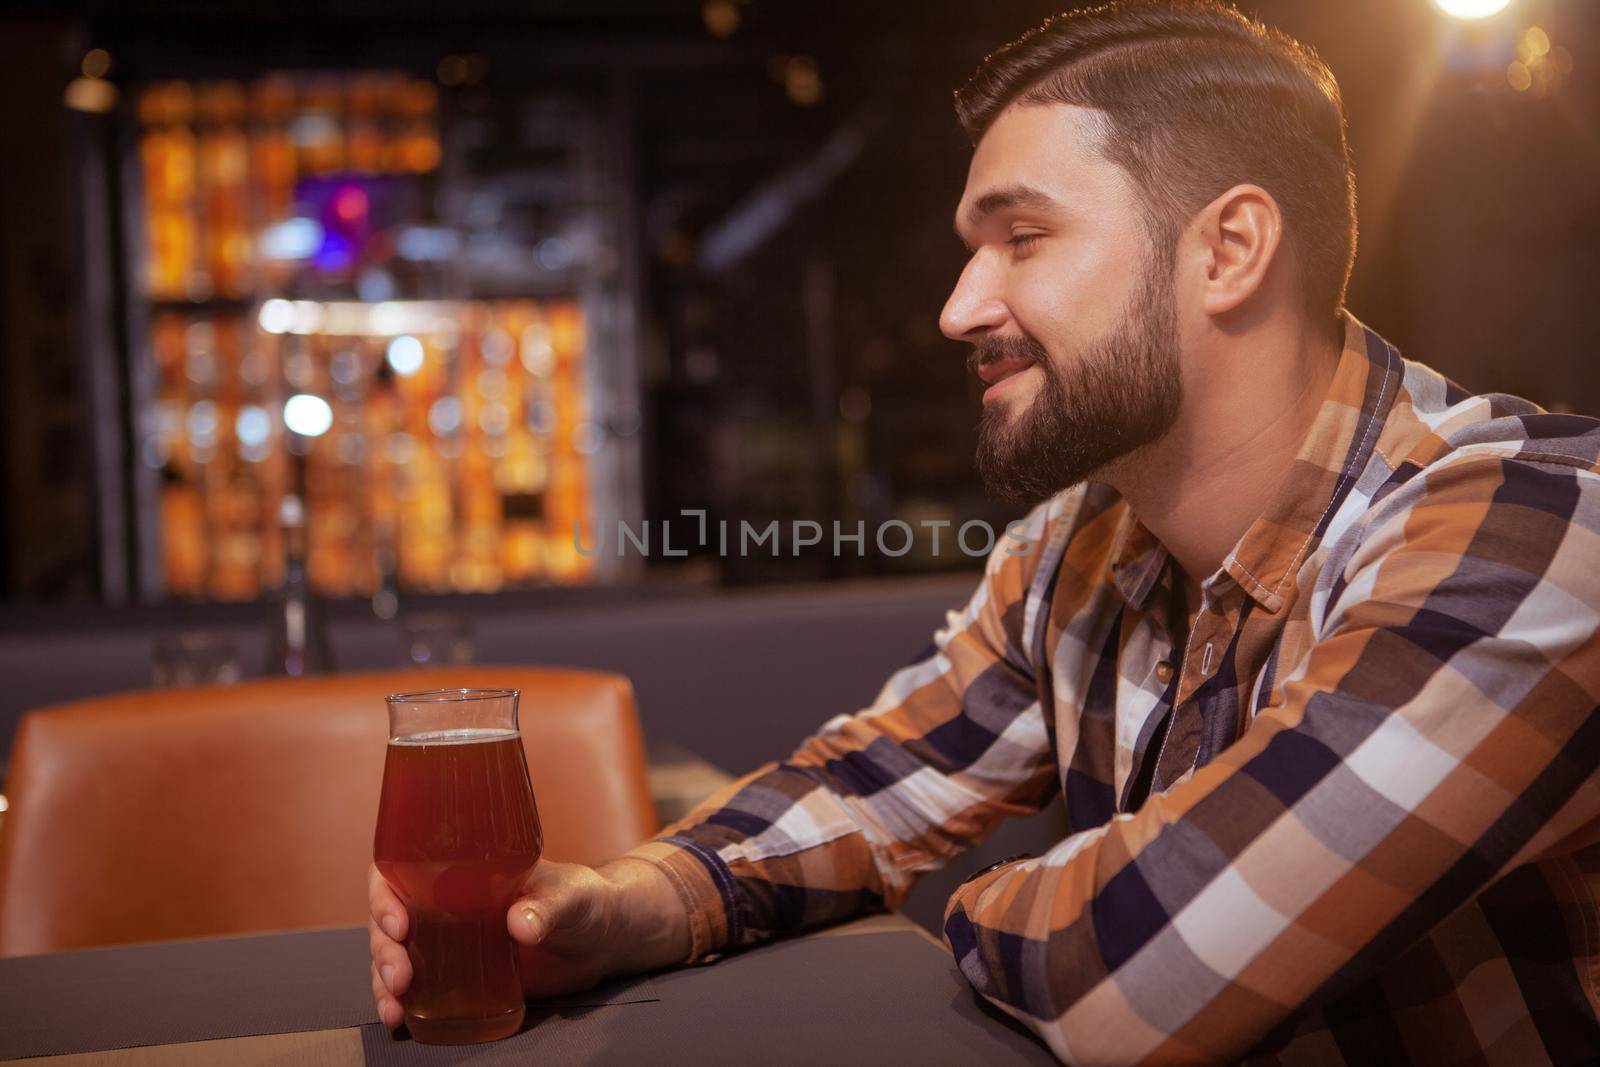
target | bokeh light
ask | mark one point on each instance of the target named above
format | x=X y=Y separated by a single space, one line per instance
x=405 y=355
x=1472 y=9
x=96 y=63
x=307 y=415
x=721 y=17
x=252 y=426
x=276 y=316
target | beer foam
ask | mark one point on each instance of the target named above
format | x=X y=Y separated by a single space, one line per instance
x=467 y=736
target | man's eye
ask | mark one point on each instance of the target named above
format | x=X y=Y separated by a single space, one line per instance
x=1023 y=240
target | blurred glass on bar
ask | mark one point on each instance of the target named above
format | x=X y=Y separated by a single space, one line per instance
x=437 y=639
x=194 y=658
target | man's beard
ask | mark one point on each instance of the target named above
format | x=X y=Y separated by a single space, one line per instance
x=1114 y=395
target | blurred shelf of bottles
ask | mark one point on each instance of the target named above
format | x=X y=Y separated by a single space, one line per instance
x=229 y=166
x=455 y=439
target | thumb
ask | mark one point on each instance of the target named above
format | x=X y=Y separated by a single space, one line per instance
x=528 y=922
x=552 y=902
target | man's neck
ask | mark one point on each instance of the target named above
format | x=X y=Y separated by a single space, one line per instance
x=1244 y=416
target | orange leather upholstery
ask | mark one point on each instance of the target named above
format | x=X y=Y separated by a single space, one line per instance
x=201 y=812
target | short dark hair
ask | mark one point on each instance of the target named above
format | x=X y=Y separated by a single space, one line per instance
x=1195 y=98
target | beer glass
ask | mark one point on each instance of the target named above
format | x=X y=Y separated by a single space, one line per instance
x=457 y=835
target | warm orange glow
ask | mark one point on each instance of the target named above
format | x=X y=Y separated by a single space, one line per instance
x=96 y=63
x=452 y=70
x=802 y=81
x=721 y=17
x=91 y=94
x=1535 y=41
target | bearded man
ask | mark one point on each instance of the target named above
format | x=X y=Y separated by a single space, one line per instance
x=1302 y=634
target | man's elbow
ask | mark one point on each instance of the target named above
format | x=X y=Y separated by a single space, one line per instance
x=1083 y=1019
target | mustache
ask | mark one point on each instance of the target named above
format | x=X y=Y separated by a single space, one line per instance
x=994 y=349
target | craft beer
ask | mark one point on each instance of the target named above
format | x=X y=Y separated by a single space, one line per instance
x=458 y=833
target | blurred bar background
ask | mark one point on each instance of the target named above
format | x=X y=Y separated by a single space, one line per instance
x=474 y=282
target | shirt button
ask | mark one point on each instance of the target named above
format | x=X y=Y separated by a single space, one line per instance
x=1163 y=672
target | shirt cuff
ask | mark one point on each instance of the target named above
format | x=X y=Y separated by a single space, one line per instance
x=704 y=885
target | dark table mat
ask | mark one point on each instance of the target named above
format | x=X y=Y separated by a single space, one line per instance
x=178 y=991
x=858 y=998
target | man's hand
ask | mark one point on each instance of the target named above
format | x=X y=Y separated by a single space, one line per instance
x=576 y=926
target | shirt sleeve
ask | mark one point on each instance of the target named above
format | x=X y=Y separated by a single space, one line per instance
x=1441 y=731
x=953 y=744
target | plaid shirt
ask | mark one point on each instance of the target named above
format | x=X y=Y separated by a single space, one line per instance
x=1372 y=832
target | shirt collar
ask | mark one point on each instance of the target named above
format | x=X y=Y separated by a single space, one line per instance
x=1334 y=451
x=1137 y=562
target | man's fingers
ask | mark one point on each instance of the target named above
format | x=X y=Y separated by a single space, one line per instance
x=384 y=905
x=389 y=960
x=389 y=1010
x=394 y=968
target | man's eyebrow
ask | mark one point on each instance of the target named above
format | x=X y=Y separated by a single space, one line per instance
x=1007 y=196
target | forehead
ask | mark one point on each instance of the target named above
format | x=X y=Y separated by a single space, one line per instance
x=1049 y=147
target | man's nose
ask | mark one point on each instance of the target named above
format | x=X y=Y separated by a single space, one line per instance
x=975 y=307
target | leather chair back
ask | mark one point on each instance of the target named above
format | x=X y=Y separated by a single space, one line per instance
x=225 y=810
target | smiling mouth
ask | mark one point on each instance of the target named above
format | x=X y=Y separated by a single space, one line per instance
x=994 y=373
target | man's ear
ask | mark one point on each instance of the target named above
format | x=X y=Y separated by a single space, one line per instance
x=1240 y=233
